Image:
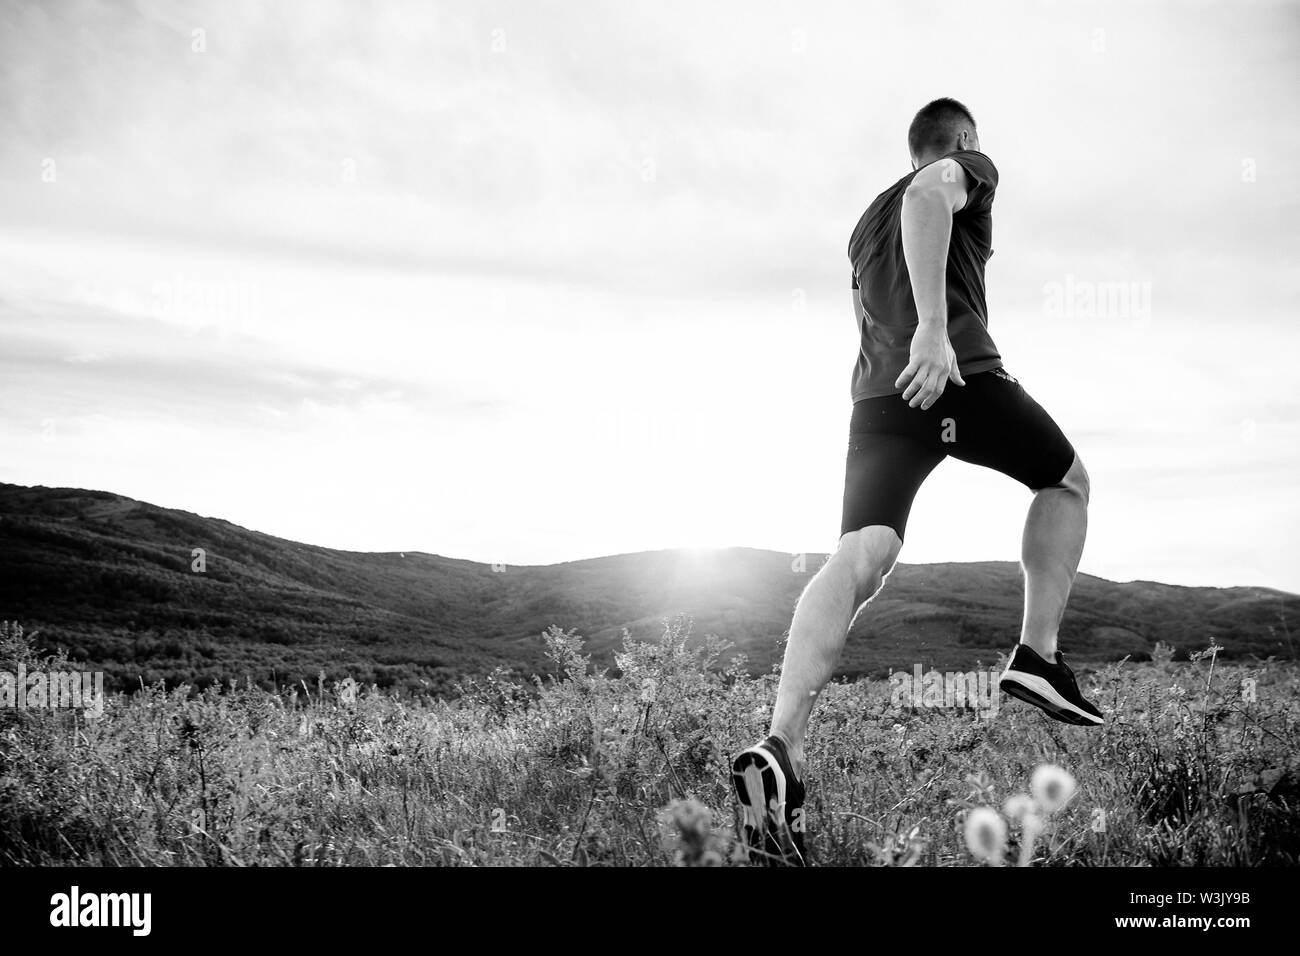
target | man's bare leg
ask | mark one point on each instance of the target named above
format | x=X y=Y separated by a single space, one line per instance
x=852 y=576
x=1053 y=542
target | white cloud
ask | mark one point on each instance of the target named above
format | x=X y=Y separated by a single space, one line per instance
x=585 y=291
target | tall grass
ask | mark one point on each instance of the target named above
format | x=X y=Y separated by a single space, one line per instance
x=632 y=770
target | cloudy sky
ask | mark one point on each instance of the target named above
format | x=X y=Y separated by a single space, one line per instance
x=535 y=281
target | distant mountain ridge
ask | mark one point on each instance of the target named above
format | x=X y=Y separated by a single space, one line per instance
x=111 y=579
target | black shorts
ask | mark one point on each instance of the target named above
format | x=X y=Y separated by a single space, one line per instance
x=990 y=421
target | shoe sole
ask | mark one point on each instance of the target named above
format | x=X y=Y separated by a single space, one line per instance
x=1036 y=690
x=760 y=787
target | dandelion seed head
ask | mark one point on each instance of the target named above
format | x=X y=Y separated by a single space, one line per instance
x=986 y=834
x=1052 y=787
x=1018 y=807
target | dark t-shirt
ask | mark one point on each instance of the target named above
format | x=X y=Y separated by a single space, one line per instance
x=882 y=288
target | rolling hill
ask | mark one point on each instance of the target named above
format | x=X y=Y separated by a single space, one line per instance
x=112 y=580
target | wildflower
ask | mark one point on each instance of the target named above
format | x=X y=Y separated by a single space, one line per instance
x=693 y=843
x=691 y=817
x=1023 y=810
x=1018 y=807
x=1051 y=786
x=986 y=835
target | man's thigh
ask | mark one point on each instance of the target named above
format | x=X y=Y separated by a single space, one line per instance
x=881 y=477
x=997 y=424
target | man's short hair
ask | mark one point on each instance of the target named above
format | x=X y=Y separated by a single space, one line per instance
x=936 y=125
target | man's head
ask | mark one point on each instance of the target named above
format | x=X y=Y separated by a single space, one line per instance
x=938 y=128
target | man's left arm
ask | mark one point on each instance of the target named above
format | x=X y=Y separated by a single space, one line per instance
x=934 y=195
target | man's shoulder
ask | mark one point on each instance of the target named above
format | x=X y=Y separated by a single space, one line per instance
x=875 y=216
x=977 y=154
x=891 y=191
x=888 y=200
x=973 y=161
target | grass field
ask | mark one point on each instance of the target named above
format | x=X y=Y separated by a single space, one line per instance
x=1197 y=765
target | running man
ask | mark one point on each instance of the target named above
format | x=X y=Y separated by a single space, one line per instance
x=929 y=383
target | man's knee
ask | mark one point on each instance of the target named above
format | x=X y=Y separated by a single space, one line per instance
x=1075 y=481
x=869 y=554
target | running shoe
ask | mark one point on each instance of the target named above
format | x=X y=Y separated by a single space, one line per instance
x=1049 y=685
x=771 y=798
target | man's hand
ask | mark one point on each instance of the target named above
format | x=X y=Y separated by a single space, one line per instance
x=932 y=365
